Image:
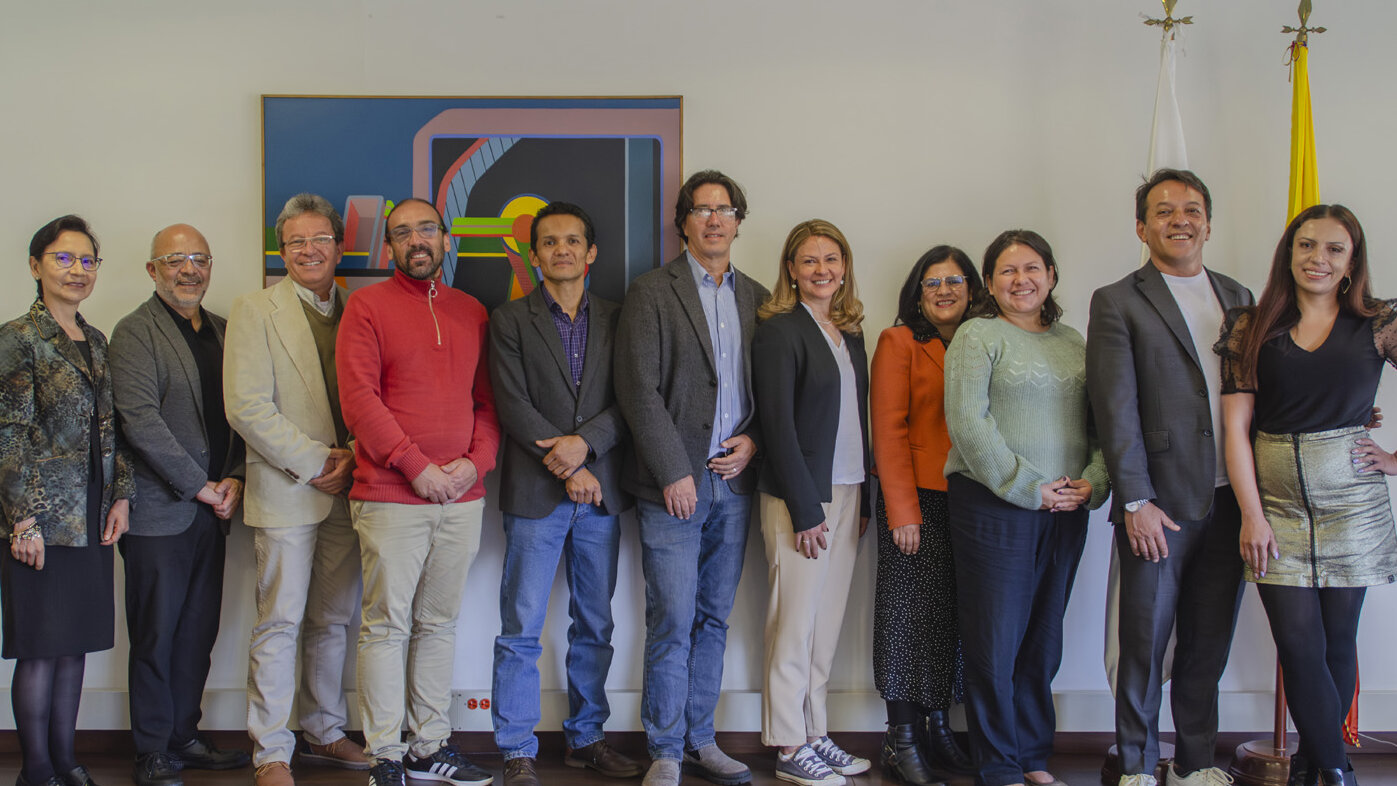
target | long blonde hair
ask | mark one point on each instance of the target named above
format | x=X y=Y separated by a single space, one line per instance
x=845 y=310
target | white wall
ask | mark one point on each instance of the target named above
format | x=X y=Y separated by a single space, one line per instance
x=907 y=123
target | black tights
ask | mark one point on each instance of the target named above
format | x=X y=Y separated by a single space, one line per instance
x=44 y=693
x=902 y=713
x=1316 y=633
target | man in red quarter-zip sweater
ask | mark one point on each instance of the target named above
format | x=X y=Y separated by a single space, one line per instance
x=415 y=392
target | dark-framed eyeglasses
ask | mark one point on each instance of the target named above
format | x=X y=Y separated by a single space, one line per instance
x=950 y=281
x=177 y=261
x=65 y=259
x=404 y=233
x=725 y=212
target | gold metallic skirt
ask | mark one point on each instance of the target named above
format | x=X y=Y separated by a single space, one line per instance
x=1333 y=526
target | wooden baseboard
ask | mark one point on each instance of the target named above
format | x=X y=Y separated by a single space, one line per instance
x=482 y=744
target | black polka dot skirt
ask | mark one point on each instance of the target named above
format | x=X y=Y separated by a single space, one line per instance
x=916 y=635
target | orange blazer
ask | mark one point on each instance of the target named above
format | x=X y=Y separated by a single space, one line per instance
x=910 y=441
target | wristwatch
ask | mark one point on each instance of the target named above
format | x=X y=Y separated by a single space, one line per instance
x=1134 y=507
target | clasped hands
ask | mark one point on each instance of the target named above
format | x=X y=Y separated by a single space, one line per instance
x=447 y=482
x=565 y=457
x=1065 y=494
x=222 y=496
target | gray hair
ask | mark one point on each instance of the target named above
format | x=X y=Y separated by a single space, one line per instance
x=306 y=202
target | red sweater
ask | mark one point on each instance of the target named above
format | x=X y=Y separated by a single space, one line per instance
x=414 y=386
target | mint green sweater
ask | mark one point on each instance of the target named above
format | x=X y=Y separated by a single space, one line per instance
x=1016 y=408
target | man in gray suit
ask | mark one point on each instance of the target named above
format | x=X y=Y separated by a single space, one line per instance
x=283 y=398
x=167 y=366
x=1154 y=385
x=550 y=364
x=683 y=380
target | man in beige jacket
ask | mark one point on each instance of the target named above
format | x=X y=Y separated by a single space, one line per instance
x=282 y=396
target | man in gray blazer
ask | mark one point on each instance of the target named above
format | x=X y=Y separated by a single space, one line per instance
x=550 y=364
x=1154 y=385
x=684 y=383
x=167 y=366
x=283 y=398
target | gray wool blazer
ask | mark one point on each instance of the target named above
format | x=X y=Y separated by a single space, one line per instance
x=535 y=399
x=666 y=380
x=161 y=410
x=1149 y=396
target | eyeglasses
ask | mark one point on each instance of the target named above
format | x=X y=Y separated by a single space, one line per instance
x=427 y=231
x=726 y=212
x=66 y=260
x=950 y=281
x=299 y=244
x=176 y=261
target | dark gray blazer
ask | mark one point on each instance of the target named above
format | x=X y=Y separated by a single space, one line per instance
x=1149 y=396
x=798 y=391
x=667 y=383
x=161 y=410
x=535 y=399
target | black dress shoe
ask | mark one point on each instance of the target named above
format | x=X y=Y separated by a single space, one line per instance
x=20 y=780
x=157 y=769
x=200 y=754
x=78 y=776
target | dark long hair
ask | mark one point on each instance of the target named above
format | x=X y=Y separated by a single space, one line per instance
x=1278 y=312
x=1051 y=311
x=909 y=300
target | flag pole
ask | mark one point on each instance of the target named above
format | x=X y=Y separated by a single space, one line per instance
x=1259 y=763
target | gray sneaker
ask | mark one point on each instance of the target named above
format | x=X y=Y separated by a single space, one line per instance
x=663 y=772
x=806 y=768
x=838 y=759
x=713 y=765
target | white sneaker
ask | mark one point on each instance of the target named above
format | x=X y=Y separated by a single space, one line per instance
x=1208 y=776
x=1138 y=780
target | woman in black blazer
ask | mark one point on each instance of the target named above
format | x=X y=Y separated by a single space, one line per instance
x=810 y=374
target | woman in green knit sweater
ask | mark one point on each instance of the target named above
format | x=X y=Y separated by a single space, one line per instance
x=1023 y=470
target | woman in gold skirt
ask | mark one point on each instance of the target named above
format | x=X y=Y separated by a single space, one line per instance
x=1300 y=370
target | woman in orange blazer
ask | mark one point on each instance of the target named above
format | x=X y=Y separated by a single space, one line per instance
x=916 y=643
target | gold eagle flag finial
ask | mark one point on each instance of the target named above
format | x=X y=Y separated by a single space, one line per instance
x=1168 y=22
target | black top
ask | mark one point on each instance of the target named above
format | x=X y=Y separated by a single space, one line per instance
x=208 y=357
x=1331 y=387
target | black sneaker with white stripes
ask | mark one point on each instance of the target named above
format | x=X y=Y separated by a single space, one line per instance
x=386 y=772
x=447 y=765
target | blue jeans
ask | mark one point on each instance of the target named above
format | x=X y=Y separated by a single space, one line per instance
x=587 y=539
x=691 y=572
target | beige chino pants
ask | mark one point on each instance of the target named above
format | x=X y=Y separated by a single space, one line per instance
x=415 y=562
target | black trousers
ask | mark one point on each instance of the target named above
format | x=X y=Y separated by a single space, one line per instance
x=1196 y=592
x=174 y=592
x=1014 y=574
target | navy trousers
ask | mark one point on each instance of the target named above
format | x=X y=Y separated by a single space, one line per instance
x=1014 y=573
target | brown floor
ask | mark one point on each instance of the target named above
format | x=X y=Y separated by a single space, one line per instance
x=110 y=765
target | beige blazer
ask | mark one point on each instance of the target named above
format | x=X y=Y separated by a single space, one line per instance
x=274 y=395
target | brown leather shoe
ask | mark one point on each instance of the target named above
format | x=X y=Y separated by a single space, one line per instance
x=341 y=753
x=605 y=759
x=273 y=773
x=519 y=771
